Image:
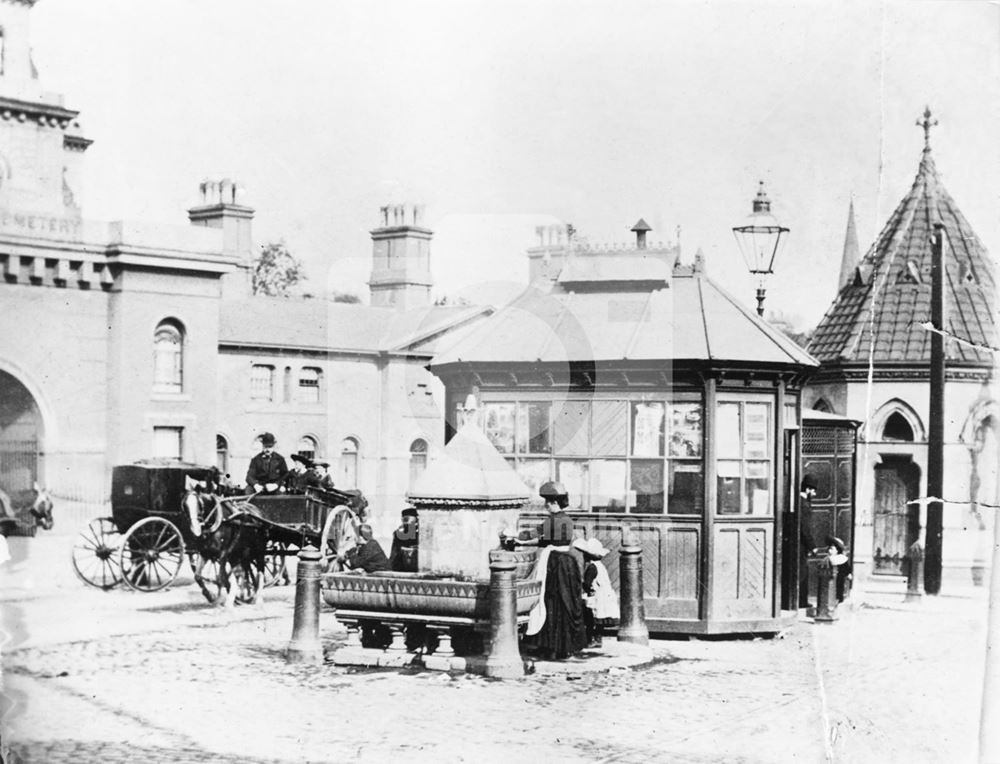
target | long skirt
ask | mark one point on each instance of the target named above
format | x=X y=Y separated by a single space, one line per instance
x=563 y=633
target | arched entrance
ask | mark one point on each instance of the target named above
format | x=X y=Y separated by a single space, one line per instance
x=897 y=524
x=21 y=435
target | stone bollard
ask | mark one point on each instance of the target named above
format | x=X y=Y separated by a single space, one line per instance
x=824 y=582
x=305 y=646
x=633 y=613
x=504 y=659
x=914 y=572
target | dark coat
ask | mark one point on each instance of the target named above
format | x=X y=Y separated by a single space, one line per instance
x=403 y=554
x=297 y=482
x=368 y=557
x=556 y=529
x=806 y=539
x=267 y=469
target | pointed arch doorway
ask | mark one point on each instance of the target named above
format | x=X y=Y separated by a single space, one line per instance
x=21 y=436
x=897 y=524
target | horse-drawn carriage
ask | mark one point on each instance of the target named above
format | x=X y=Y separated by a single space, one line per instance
x=162 y=512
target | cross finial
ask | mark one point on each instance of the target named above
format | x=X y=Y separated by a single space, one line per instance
x=927 y=123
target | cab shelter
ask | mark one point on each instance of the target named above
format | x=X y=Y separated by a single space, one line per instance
x=669 y=410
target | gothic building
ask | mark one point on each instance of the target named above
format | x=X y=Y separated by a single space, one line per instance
x=874 y=348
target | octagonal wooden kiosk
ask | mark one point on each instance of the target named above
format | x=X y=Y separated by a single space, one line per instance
x=666 y=407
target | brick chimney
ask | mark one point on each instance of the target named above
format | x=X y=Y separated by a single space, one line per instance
x=218 y=209
x=401 y=259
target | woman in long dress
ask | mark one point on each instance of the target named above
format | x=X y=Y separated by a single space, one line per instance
x=562 y=633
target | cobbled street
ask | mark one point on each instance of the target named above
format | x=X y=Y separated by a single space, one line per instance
x=93 y=676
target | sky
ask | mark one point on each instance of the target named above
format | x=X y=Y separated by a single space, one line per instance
x=501 y=116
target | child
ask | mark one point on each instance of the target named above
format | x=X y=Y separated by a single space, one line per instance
x=599 y=598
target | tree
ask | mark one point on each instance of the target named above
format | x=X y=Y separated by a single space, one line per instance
x=786 y=325
x=344 y=297
x=276 y=271
x=451 y=302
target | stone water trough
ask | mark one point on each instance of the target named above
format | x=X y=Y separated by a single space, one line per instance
x=465 y=499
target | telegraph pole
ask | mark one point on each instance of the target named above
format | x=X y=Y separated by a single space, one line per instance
x=935 y=429
x=935 y=418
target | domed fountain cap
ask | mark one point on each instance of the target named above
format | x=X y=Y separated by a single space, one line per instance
x=469 y=472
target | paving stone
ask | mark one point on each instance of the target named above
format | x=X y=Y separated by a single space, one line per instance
x=888 y=682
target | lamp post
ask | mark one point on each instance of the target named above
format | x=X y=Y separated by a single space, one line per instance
x=758 y=239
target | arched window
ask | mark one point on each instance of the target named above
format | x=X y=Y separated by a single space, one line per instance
x=168 y=358
x=418 y=459
x=822 y=405
x=307 y=447
x=222 y=454
x=309 y=384
x=897 y=428
x=348 y=464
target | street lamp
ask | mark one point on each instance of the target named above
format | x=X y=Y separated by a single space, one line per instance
x=758 y=239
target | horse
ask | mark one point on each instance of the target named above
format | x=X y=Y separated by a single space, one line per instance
x=27 y=512
x=242 y=538
x=229 y=536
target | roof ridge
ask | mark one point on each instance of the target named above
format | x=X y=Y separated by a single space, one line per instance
x=784 y=343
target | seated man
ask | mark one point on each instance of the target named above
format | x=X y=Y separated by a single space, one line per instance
x=403 y=554
x=367 y=555
x=320 y=476
x=267 y=470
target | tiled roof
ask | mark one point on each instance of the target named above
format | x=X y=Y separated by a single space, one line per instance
x=317 y=324
x=690 y=318
x=889 y=296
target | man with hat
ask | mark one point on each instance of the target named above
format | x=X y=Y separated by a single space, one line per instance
x=403 y=554
x=806 y=542
x=267 y=469
x=319 y=476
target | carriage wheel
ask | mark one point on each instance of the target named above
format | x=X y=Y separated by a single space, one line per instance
x=338 y=534
x=247 y=582
x=274 y=563
x=95 y=554
x=206 y=575
x=151 y=555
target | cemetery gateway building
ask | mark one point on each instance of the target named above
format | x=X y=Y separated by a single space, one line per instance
x=127 y=340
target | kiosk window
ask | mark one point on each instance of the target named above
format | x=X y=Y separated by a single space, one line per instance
x=743 y=466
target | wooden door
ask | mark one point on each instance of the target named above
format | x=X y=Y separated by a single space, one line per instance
x=897 y=481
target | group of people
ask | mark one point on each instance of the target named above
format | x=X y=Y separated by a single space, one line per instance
x=367 y=555
x=577 y=601
x=269 y=473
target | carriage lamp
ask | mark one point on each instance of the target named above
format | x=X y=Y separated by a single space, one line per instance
x=759 y=239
